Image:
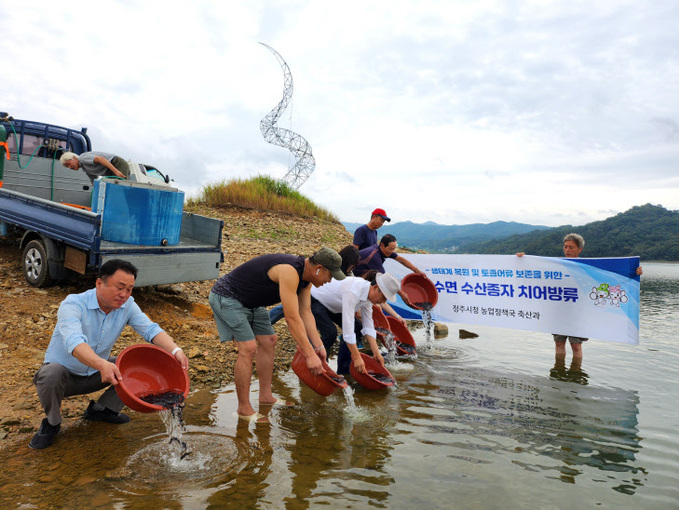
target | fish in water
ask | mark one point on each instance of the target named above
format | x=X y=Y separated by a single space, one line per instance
x=380 y=377
x=174 y=403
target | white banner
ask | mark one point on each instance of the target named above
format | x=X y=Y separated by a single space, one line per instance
x=591 y=298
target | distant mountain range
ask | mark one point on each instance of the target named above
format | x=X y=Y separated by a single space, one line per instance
x=649 y=231
x=436 y=238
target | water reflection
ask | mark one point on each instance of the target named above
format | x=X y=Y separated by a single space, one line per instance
x=449 y=422
x=338 y=454
x=574 y=373
x=250 y=483
x=473 y=411
x=489 y=420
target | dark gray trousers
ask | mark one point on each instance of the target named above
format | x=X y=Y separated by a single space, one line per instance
x=121 y=165
x=54 y=382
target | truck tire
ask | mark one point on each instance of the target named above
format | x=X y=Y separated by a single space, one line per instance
x=34 y=264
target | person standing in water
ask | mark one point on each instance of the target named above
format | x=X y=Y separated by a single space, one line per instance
x=337 y=304
x=239 y=300
x=573 y=244
x=349 y=256
x=373 y=257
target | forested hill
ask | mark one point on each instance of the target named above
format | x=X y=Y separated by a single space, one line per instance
x=648 y=231
x=435 y=238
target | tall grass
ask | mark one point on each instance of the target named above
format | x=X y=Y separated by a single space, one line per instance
x=264 y=193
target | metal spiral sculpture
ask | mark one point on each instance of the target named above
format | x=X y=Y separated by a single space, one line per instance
x=295 y=143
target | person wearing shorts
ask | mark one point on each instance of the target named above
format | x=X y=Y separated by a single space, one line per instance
x=239 y=300
x=575 y=341
x=573 y=244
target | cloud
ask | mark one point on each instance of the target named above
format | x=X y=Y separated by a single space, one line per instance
x=446 y=111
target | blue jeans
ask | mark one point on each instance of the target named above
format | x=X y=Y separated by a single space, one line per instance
x=276 y=314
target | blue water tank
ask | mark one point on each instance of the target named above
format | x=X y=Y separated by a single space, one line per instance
x=136 y=213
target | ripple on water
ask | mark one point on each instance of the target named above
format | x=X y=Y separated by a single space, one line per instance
x=325 y=414
x=359 y=414
x=443 y=348
x=399 y=366
x=158 y=465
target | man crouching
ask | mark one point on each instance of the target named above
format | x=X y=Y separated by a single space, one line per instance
x=78 y=362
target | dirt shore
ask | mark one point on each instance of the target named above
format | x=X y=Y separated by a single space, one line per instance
x=28 y=315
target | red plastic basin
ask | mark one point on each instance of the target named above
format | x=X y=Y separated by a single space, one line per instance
x=380 y=320
x=323 y=384
x=401 y=334
x=419 y=289
x=149 y=370
x=372 y=368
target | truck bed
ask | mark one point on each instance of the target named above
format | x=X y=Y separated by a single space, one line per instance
x=196 y=257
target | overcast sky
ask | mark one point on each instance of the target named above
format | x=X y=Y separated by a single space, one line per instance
x=456 y=112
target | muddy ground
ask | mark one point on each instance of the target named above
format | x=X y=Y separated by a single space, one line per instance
x=28 y=315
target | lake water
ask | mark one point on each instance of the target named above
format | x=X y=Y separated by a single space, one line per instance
x=489 y=422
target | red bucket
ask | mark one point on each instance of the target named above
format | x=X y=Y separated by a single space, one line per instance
x=380 y=320
x=149 y=370
x=419 y=289
x=402 y=335
x=375 y=377
x=323 y=384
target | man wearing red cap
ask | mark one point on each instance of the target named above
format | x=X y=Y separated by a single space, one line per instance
x=366 y=235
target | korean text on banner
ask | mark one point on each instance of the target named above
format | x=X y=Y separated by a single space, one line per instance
x=592 y=298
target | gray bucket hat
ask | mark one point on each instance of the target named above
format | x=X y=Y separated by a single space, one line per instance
x=388 y=284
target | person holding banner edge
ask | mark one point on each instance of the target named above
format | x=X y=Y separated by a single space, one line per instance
x=573 y=244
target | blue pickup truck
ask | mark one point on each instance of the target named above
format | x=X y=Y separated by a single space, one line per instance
x=67 y=226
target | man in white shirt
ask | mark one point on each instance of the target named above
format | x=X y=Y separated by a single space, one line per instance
x=337 y=302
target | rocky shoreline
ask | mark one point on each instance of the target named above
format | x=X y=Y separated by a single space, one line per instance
x=29 y=315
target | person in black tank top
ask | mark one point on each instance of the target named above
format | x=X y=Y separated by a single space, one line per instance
x=239 y=300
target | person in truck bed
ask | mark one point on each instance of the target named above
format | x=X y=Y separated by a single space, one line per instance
x=96 y=164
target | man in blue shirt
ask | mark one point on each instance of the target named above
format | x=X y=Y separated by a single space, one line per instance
x=366 y=235
x=78 y=359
